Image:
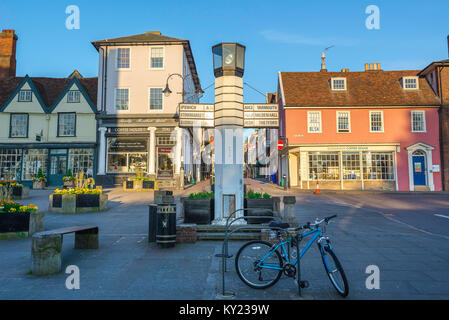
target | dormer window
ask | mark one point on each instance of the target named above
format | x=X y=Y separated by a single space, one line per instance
x=73 y=96
x=25 y=95
x=338 y=84
x=410 y=83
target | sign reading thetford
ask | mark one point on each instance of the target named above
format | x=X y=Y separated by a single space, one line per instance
x=261 y=115
x=198 y=114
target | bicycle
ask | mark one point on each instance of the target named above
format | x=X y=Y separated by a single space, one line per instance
x=267 y=262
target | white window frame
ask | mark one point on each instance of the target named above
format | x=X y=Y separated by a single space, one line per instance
x=116 y=59
x=383 y=121
x=338 y=89
x=308 y=122
x=163 y=57
x=25 y=92
x=423 y=112
x=76 y=93
x=349 y=121
x=115 y=100
x=149 y=99
x=408 y=78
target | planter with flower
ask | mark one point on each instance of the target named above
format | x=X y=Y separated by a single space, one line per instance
x=78 y=200
x=68 y=180
x=18 y=221
x=140 y=183
x=39 y=181
x=17 y=190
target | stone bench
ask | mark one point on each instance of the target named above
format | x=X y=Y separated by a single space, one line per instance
x=46 y=247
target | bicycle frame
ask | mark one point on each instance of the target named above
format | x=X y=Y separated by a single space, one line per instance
x=318 y=234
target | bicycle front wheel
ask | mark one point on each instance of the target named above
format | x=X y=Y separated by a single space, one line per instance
x=255 y=270
x=334 y=271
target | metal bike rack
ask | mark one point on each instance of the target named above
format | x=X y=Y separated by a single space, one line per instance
x=225 y=248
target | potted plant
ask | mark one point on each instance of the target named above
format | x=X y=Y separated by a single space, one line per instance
x=257 y=200
x=15 y=218
x=39 y=181
x=199 y=208
x=69 y=179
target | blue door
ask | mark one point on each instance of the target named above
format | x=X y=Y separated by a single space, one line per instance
x=419 y=171
x=58 y=167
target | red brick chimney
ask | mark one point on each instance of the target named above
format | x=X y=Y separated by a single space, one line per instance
x=7 y=54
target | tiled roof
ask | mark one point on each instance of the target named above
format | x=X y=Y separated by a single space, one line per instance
x=49 y=89
x=143 y=37
x=369 y=88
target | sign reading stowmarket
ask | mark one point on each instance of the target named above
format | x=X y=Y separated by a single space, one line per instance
x=261 y=115
x=196 y=114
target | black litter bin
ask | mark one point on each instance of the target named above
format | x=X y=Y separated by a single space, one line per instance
x=152 y=225
x=166 y=225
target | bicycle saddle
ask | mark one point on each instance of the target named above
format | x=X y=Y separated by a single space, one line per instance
x=276 y=224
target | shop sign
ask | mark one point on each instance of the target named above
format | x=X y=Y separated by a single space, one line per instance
x=127 y=145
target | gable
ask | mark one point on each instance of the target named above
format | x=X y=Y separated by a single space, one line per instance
x=62 y=104
x=13 y=105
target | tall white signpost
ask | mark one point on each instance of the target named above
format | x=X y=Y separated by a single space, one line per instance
x=229 y=115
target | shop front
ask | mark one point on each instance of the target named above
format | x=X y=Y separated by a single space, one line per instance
x=22 y=163
x=344 y=167
x=150 y=150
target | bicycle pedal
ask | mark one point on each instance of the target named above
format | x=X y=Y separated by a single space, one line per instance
x=220 y=255
x=304 y=284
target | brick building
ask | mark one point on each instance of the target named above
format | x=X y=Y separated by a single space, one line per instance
x=369 y=130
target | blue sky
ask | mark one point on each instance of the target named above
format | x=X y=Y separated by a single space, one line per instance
x=279 y=35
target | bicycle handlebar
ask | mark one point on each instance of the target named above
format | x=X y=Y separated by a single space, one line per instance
x=309 y=225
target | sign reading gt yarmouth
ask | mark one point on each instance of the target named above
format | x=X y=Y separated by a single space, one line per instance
x=255 y=115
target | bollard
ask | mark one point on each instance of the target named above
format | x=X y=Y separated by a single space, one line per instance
x=289 y=210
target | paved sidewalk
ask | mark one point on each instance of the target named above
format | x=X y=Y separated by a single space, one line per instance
x=413 y=264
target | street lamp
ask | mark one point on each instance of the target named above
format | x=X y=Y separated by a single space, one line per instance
x=167 y=90
x=229 y=59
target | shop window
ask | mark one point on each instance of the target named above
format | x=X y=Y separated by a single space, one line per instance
x=126 y=153
x=164 y=162
x=81 y=160
x=351 y=165
x=378 y=166
x=165 y=141
x=33 y=160
x=10 y=163
x=324 y=166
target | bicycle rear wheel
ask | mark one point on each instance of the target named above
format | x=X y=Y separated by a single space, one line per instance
x=334 y=270
x=247 y=260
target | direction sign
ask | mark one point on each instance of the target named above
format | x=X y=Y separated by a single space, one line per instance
x=261 y=115
x=196 y=114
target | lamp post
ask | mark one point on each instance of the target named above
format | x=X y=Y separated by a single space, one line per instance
x=167 y=93
x=229 y=63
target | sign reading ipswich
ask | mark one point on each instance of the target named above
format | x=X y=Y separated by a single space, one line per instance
x=196 y=114
x=261 y=115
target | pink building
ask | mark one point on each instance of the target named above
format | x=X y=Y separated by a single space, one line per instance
x=371 y=130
